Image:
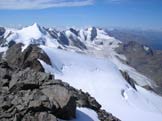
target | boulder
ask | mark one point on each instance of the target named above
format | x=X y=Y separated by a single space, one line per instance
x=65 y=100
x=13 y=55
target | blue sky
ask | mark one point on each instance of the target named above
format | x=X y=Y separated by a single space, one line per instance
x=144 y=14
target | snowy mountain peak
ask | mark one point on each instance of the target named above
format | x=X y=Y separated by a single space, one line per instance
x=35 y=24
x=80 y=39
x=35 y=29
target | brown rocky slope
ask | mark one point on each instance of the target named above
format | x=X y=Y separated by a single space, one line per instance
x=27 y=93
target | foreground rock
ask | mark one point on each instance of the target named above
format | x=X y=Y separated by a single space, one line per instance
x=28 y=95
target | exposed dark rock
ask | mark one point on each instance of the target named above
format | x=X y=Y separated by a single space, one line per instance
x=33 y=52
x=76 y=42
x=31 y=93
x=28 y=58
x=53 y=33
x=148 y=87
x=74 y=31
x=66 y=102
x=93 y=33
x=85 y=100
x=13 y=55
x=2 y=31
x=128 y=79
x=42 y=116
x=3 y=42
x=5 y=74
x=1 y=54
x=29 y=79
x=11 y=43
x=104 y=116
x=63 y=39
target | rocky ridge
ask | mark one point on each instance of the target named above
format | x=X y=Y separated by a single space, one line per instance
x=29 y=94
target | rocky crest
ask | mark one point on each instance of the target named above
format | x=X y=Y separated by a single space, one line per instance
x=29 y=94
x=27 y=58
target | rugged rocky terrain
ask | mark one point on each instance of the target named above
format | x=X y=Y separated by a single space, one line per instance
x=145 y=60
x=27 y=93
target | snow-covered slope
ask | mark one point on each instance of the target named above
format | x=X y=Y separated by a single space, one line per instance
x=102 y=79
x=78 y=40
x=31 y=35
x=87 y=60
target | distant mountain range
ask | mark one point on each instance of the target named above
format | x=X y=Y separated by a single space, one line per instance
x=116 y=67
x=152 y=38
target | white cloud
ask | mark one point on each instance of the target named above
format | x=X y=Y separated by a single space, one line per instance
x=41 y=4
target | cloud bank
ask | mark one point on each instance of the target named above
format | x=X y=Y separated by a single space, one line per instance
x=42 y=4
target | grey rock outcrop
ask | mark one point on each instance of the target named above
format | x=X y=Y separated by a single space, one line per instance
x=28 y=94
x=27 y=58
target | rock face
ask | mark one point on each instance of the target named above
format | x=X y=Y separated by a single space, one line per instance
x=74 y=31
x=27 y=58
x=29 y=95
x=144 y=60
